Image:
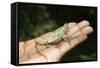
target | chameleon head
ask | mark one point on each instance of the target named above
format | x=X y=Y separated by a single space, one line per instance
x=66 y=27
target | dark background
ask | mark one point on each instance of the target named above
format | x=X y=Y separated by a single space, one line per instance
x=37 y=19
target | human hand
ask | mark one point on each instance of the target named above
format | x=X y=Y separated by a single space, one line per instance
x=31 y=52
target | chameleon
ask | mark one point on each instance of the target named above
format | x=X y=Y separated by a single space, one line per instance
x=54 y=36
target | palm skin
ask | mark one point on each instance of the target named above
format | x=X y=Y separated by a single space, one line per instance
x=31 y=52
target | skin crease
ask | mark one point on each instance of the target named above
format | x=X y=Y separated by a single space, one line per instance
x=28 y=49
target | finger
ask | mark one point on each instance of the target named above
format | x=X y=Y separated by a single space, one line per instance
x=83 y=23
x=65 y=46
x=86 y=30
x=77 y=27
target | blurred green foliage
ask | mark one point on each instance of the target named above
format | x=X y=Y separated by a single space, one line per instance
x=35 y=20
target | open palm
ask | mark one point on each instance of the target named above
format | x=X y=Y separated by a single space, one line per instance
x=31 y=52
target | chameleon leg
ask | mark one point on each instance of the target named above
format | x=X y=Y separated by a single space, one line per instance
x=67 y=38
x=47 y=46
